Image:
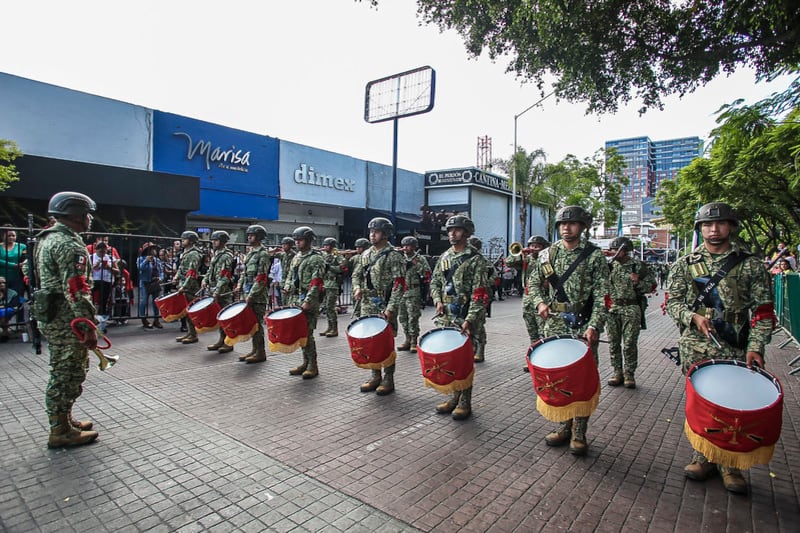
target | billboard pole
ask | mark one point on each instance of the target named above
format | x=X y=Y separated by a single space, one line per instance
x=394 y=173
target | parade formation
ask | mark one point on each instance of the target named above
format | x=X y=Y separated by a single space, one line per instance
x=719 y=297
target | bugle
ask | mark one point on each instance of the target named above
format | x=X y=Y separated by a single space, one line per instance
x=516 y=249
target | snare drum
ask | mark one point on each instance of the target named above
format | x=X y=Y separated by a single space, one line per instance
x=733 y=413
x=371 y=342
x=447 y=359
x=565 y=377
x=203 y=314
x=287 y=329
x=238 y=321
x=171 y=306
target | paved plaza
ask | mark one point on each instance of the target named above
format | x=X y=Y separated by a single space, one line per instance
x=191 y=440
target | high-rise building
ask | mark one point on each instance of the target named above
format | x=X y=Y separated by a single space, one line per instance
x=648 y=165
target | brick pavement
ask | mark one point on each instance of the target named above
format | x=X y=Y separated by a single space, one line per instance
x=193 y=440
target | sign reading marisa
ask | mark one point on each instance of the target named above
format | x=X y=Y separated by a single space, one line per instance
x=466 y=176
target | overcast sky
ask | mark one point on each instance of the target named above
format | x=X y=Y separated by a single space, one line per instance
x=297 y=70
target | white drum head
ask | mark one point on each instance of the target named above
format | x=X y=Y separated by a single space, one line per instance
x=558 y=353
x=201 y=304
x=442 y=341
x=734 y=387
x=232 y=310
x=281 y=314
x=365 y=328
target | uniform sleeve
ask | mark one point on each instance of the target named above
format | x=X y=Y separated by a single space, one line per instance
x=191 y=269
x=514 y=261
x=358 y=272
x=74 y=281
x=480 y=295
x=678 y=290
x=437 y=282
x=763 y=311
x=261 y=281
x=600 y=289
x=536 y=278
x=225 y=276
x=647 y=280
x=314 y=290
x=398 y=271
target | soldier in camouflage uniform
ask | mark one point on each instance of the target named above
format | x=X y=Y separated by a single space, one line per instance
x=378 y=287
x=459 y=292
x=418 y=276
x=479 y=336
x=739 y=313
x=584 y=312
x=254 y=286
x=63 y=271
x=335 y=268
x=533 y=322
x=354 y=265
x=187 y=278
x=303 y=285
x=219 y=281
x=285 y=256
x=630 y=281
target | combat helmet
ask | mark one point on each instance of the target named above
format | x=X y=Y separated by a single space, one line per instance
x=410 y=241
x=383 y=225
x=538 y=239
x=574 y=213
x=460 y=221
x=715 y=211
x=476 y=243
x=304 y=232
x=258 y=230
x=362 y=243
x=621 y=242
x=70 y=203
x=221 y=236
x=191 y=235
x=287 y=240
x=330 y=241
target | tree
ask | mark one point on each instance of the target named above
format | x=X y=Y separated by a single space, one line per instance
x=607 y=52
x=8 y=172
x=527 y=170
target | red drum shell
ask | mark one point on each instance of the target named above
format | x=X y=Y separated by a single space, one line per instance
x=287 y=329
x=447 y=359
x=371 y=342
x=203 y=314
x=565 y=377
x=733 y=413
x=171 y=306
x=238 y=321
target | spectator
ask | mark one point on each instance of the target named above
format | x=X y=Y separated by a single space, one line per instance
x=110 y=250
x=509 y=274
x=783 y=266
x=104 y=268
x=12 y=256
x=9 y=302
x=151 y=276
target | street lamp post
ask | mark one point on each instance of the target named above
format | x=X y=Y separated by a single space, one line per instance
x=514 y=165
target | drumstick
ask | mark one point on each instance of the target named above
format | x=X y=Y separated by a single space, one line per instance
x=714 y=339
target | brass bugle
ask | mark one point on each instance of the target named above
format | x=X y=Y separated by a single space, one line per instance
x=516 y=249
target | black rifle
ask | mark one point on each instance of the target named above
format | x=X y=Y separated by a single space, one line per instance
x=777 y=258
x=33 y=286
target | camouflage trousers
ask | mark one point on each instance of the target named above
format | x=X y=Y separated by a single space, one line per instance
x=329 y=302
x=533 y=322
x=409 y=313
x=694 y=348
x=623 y=326
x=69 y=363
x=260 y=309
x=311 y=345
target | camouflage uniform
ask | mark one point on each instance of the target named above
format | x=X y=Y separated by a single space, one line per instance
x=188 y=280
x=625 y=315
x=586 y=289
x=219 y=280
x=254 y=284
x=285 y=259
x=334 y=268
x=418 y=275
x=303 y=284
x=64 y=274
x=533 y=322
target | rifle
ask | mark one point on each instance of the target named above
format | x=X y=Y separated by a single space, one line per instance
x=778 y=257
x=33 y=286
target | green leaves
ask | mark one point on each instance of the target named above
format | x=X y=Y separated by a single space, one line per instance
x=8 y=172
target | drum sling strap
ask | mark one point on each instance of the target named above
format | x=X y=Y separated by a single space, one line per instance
x=729 y=265
x=459 y=308
x=558 y=282
x=372 y=262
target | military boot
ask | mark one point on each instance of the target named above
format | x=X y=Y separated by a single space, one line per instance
x=261 y=353
x=700 y=469
x=83 y=425
x=312 y=371
x=180 y=339
x=251 y=353
x=447 y=407
x=413 y=344
x=733 y=480
x=464 y=407
x=578 y=446
x=298 y=370
x=630 y=383
x=327 y=330
x=387 y=384
x=334 y=332
x=373 y=383
x=405 y=346
x=225 y=348
x=560 y=435
x=478 y=357
x=217 y=345
x=617 y=379
x=62 y=433
x=191 y=336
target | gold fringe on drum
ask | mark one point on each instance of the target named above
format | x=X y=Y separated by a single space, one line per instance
x=555 y=413
x=288 y=348
x=241 y=338
x=453 y=386
x=731 y=459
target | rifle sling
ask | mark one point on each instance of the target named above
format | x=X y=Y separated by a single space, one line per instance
x=557 y=282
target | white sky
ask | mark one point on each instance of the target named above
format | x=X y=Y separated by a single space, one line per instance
x=297 y=70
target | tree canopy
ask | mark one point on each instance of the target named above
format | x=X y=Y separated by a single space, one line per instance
x=8 y=172
x=608 y=52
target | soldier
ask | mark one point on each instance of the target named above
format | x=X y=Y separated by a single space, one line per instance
x=418 y=276
x=219 y=281
x=738 y=314
x=354 y=265
x=187 y=278
x=63 y=270
x=285 y=257
x=479 y=330
x=578 y=300
x=303 y=284
x=458 y=290
x=533 y=322
x=630 y=281
x=334 y=270
x=379 y=285
x=254 y=286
